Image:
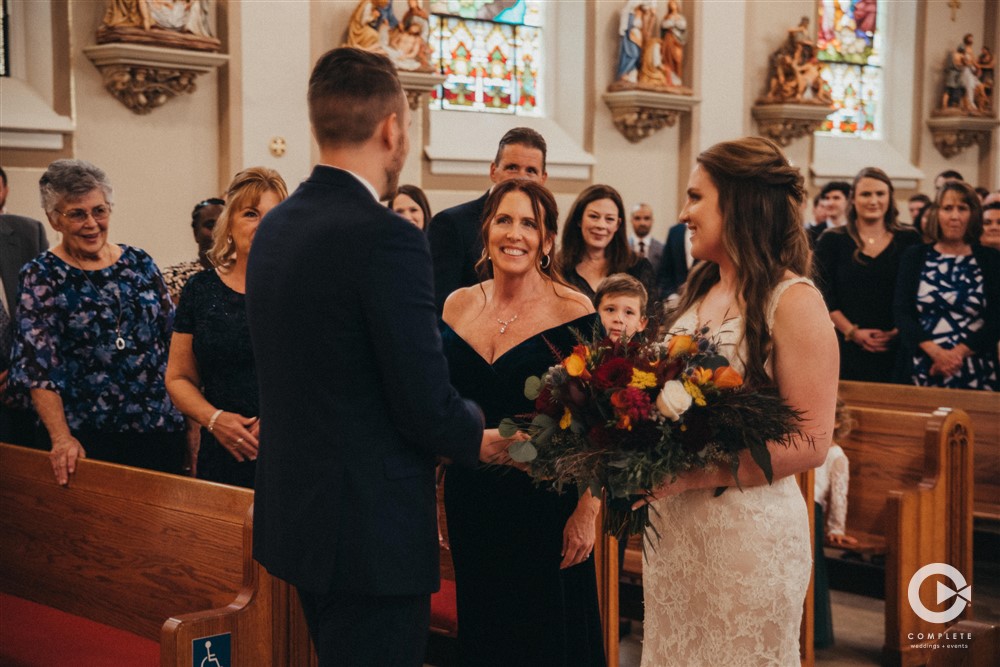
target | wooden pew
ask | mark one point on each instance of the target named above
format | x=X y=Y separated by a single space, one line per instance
x=983 y=408
x=972 y=645
x=911 y=489
x=131 y=548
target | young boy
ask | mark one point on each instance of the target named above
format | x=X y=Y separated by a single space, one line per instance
x=621 y=302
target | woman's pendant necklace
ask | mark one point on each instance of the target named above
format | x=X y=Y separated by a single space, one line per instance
x=506 y=323
x=119 y=340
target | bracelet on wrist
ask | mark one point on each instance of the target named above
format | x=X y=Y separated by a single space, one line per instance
x=849 y=336
x=211 y=421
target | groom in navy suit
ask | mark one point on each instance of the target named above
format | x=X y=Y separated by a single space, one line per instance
x=355 y=401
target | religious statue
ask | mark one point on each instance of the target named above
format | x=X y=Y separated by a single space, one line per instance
x=169 y=23
x=967 y=91
x=650 y=52
x=794 y=71
x=374 y=27
x=630 y=43
x=673 y=35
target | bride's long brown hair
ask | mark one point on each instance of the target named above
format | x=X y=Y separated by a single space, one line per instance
x=760 y=198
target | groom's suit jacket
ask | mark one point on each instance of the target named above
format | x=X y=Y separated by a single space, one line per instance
x=355 y=401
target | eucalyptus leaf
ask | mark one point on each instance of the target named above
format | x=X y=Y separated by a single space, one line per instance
x=544 y=421
x=532 y=387
x=522 y=451
x=508 y=428
x=545 y=434
x=594 y=486
x=577 y=426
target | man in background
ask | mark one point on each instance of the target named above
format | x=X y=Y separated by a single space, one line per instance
x=21 y=240
x=640 y=240
x=456 y=243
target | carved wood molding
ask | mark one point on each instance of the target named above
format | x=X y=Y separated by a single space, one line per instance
x=146 y=77
x=953 y=134
x=639 y=113
x=786 y=122
x=417 y=84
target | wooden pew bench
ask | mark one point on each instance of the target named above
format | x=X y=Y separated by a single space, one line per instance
x=122 y=550
x=910 y=497
x=983 y=408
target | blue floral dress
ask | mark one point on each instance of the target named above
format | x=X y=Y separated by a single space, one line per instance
x=65 y=341
x=951 y=302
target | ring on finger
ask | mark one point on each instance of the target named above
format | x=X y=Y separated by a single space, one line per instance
x=239 y=441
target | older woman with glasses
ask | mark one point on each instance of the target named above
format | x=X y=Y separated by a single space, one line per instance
x=91 y=338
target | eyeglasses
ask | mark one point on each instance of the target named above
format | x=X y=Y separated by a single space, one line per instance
x=80 y=215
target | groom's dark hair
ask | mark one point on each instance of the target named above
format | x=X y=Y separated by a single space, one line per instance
x=350 y=92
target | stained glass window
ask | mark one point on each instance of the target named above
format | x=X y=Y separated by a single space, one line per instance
x=849 y=46
x=491 y=51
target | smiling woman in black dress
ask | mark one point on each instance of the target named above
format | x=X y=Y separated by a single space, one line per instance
x=857 y=265
x=524 y=573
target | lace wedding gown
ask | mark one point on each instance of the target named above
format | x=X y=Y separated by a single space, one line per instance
x=726 y=583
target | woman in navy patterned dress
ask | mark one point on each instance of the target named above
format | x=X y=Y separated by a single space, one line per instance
x=91 y=341
x=947 y=305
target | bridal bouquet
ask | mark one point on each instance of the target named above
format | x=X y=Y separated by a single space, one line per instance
x=628 y=416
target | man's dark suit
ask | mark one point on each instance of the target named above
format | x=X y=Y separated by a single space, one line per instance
x=456 y=245
x=673 y=269
x=21 y=240
x=355 y=401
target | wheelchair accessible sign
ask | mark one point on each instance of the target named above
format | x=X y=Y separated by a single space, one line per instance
x=214 y=651
x=962 y=593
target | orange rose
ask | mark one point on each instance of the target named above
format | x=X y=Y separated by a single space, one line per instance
x=679 y=345
x=726 y=377
x=576 y=366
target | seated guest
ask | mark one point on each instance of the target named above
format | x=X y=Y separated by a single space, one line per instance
x=830 y=494
x=203 y=218
x=857 y=266
x=211 y=374
x=947 y=304
x=595 y=245
x=944 y=177
x=411 y=203
x=93 y=322
x=982 y=193
x=991 y=226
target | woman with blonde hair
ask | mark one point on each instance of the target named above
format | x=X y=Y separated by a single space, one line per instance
x=745 y=556
x=211 y=374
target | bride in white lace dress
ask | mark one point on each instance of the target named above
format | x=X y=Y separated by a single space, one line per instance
x=725 y=585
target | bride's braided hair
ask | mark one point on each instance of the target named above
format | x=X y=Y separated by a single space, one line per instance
x=760 y=198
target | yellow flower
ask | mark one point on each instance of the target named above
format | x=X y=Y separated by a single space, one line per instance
x=701 y=375
x=691 y=388
x=566 y=420
x=642 y=380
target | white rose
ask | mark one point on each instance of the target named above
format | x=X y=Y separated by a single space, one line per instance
x=673 y=400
